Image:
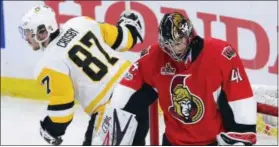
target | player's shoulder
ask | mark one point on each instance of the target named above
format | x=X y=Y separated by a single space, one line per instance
x=53 y=58
x=44 y=62
x=80 y=24
x=151 y=57
x=218 y=44
x=80 y=20
x=221 y=48
x=151 y=52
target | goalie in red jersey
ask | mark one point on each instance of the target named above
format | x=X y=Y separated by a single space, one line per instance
x=202 y=86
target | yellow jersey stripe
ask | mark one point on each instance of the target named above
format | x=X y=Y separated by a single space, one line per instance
x=63 y=119
x=109 y=85
x=101 y=112
x=129 y=43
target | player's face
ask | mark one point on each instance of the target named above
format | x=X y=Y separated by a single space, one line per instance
x=30 y=38
x=177 y=49
x=180 y=46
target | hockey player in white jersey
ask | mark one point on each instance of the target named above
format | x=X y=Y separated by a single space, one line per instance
x=80 y=62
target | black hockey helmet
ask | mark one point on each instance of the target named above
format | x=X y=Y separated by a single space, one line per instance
x=175 y=30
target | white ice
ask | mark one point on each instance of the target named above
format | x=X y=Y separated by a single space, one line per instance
x=20 y=124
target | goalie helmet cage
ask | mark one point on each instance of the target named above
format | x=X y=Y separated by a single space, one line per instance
x=267 y=119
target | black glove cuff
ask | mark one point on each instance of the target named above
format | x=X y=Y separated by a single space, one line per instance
x=54 y=129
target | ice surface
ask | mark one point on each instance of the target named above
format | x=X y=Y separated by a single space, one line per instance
x=20 y=124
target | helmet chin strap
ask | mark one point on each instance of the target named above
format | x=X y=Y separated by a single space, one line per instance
x=41 y=45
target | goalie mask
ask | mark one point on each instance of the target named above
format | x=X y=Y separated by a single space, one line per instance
x=37 y=25
x=175 y=33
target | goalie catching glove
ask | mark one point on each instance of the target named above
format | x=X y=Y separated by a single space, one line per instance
x=131 y=20
x=117 y=127
x=234 y=138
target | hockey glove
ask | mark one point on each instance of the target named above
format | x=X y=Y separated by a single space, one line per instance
x=234 y=138
x=49 y=138
x=131 y=20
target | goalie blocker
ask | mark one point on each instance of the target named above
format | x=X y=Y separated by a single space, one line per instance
x=134 y=128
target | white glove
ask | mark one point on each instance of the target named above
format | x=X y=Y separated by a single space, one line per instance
x=235 y=138
x=131 y=20
x=49 y=138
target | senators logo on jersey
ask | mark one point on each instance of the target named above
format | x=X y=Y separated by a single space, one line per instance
x=186 y=107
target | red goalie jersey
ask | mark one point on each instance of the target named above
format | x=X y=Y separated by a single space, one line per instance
x=208 y=94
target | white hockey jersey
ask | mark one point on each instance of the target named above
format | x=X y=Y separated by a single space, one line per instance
x=79 y=64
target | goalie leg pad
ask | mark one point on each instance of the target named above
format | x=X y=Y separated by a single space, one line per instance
x=118 y=127
x=139 y=104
